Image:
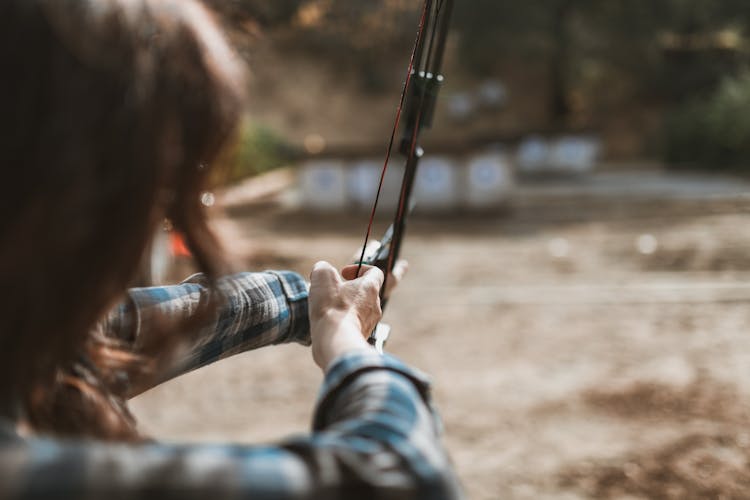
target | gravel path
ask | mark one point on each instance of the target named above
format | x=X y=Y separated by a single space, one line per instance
x=581 y=346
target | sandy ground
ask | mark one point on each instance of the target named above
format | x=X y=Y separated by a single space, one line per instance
x=567 y=362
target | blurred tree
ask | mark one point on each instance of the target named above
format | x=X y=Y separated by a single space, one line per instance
x=666 y=48
x=495 y=31
x=678 y=48
x=376 y=30
x=266 y=13
x=601 y=59
x=255 y=150
x=714 y=130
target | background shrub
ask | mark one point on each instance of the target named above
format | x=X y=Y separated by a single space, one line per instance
x=712 y=131
x=257 y=149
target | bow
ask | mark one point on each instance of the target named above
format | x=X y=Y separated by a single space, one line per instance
x=417 y=105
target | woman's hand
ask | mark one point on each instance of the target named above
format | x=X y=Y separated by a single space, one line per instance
x=343 y=310
x=395 y=277
x=397 y=274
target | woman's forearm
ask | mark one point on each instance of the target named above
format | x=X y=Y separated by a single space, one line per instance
x=253 y=310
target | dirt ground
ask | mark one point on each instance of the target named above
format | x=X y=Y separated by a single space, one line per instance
x=581 y=347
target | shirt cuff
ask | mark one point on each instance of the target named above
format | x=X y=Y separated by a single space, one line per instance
x=296 y=292
x=344 y=369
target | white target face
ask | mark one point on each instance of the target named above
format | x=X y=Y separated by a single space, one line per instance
x=436 y=184
x=324 y=179
x=361 y=182
x=323 y=185
x=533 y=153
x=486 y=174
x=489 y=181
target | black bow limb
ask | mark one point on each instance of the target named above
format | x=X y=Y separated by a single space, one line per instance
x=418 y=102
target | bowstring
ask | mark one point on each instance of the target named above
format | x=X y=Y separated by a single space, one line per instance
x=401 y=212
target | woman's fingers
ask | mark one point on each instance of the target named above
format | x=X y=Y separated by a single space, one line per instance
x=398 y=273
x=324 y=273
x=368 y=275
x=373 y=277
x=400 y=270
x=350 y=272
x=371 y=247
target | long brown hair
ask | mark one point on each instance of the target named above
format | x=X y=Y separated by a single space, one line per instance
x=111 y=110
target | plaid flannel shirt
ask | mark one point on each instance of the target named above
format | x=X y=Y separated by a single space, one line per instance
x=374 y=433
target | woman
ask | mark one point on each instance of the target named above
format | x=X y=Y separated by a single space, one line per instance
x=113 y=112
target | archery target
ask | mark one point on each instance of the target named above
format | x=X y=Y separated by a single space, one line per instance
x=436 y=185
x=490 y=181
x=533 y=154
x=362 y=184
x=574 y=154
x=323 y=185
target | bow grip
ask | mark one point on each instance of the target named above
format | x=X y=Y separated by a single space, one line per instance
x=378 y=256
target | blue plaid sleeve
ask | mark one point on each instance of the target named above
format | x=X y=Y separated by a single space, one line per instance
x=255 y=310
x=374 y=436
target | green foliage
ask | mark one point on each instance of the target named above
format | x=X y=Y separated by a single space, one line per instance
x=258 y=149
x=714 y=131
